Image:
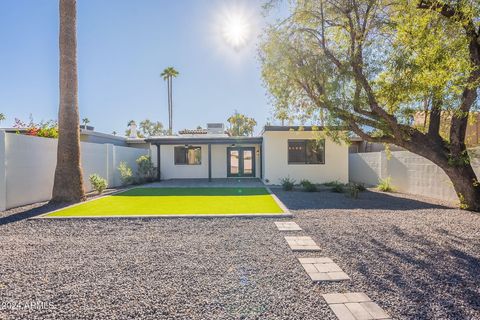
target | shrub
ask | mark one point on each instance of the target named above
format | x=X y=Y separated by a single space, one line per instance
x=308 y=186
x=98 y=183
x=287 y=183
x=354 y=188
x=336 y=186
x=385 y=185
x=126 y=173
x=145 y=170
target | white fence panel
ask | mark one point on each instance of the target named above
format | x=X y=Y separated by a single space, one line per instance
x=27 y=166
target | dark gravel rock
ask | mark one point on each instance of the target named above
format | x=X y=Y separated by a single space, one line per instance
x=416 y=259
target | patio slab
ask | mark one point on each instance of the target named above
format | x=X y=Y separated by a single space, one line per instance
x=323 y=269
x=205 y=183
x=302 y=244
x=287 y=226
x=354 y=306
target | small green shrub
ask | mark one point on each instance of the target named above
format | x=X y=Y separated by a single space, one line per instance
x=353 y=189
x=336 y=186
x=385 y=185
x=308 y=186
x=287 y=183
x=145 y=170
x=98 y=183
x=126 y=173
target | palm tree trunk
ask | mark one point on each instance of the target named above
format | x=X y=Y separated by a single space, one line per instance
x=68 y=183
x=171 y=104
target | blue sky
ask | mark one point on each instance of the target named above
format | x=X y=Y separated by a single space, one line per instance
x=123 y=45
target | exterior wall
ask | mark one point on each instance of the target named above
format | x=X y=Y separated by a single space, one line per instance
x=219 y=162
x=410 y=173
x=28 y=166
x=275 y=152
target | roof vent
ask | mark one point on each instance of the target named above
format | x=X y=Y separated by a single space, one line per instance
x=215 y=128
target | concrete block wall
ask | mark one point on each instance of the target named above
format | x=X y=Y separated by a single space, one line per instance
x=410 y=173
x=27 y=166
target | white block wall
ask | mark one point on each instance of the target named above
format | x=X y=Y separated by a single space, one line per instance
x=410 y=173
x=27 y=166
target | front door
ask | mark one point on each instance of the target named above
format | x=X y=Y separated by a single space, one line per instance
x=241 y=162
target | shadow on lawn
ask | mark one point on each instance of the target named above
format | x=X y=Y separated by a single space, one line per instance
x=299 y=200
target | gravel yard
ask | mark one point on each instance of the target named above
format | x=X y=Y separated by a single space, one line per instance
x=417 y=260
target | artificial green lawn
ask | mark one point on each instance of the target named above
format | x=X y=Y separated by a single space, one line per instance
x=172 y=201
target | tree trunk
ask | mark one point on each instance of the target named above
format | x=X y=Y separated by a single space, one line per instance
x=466 y=186
x=68 y=183
x=462 y=176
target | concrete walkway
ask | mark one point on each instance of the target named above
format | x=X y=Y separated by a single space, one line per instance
x=204 y=183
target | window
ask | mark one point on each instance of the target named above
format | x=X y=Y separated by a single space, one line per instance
x=188 y=155
x=306 y=151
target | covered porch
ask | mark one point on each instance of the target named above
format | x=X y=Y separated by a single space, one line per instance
x=208 y=158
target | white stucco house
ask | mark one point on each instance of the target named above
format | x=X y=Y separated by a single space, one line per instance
x=280 y=151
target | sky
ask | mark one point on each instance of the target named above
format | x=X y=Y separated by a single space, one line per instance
x=123 y=46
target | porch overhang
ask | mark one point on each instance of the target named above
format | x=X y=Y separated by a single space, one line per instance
x=203 y=140
x=175 y=140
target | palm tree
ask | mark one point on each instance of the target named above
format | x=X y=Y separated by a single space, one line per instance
x=168 y=74
x=85 y=121
x=68 y=183
x=2 y=117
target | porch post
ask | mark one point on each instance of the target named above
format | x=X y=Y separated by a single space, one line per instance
x=209 y=162
x=158 y=162
x=261 y=161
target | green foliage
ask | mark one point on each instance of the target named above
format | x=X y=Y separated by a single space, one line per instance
x=241 y=125
x=45 y=129
x=336 y=186
x=148 y=128
x=169 y=72
x=126 y=173
x=308 y=186
x=342 y=74
x=99 y=184
x=385 y=185
x=287 y=183
x=2 y=117
x=353 y=189
x=145 y=169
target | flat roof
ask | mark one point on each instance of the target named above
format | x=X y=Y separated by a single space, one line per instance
x=204 y=140
x=292 y=128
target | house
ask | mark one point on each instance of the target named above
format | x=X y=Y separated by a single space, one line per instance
x=279 y=152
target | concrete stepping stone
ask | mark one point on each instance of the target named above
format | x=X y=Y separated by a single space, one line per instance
x=288 y=226
x=354 y=306
x=302 y=244
x=323 y=269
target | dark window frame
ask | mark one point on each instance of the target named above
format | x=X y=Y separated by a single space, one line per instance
x=186 y=163
x=305 y=145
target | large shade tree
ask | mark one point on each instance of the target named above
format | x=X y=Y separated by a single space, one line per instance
x=68 y=183
x=168 y=74
x=373 y=65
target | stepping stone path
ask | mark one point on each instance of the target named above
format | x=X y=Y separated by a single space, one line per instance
x=354 y=306
x=323 y=269
x=302 y=244
x=288 y=226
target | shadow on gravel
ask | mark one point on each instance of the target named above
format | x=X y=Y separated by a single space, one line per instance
x=298 y=200
x=29 y=213
x=433 y=277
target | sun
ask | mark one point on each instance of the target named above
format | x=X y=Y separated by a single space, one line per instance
x=235 y=29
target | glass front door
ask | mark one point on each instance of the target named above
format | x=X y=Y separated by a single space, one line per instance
x=241 y=162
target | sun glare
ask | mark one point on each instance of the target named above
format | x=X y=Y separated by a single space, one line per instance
x=236 y=30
